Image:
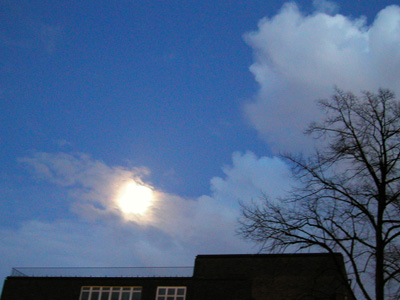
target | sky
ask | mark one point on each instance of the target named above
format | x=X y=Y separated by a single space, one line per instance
x=131 y=130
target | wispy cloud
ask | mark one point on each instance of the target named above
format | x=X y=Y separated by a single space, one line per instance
x=50 y=36
x=325 y=6
x=23 y=28
x=91 y=183
x=173 y=231
x=40 y=36
x=300 y=58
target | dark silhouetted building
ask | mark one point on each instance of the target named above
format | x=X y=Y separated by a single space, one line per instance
x=215 y=277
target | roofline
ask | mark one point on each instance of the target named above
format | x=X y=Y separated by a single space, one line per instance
x=269 y=255
x=102 y=278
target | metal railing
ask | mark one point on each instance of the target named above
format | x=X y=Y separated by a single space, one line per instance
x=104 y=272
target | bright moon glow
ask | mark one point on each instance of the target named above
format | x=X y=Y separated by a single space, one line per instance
x=134 y=198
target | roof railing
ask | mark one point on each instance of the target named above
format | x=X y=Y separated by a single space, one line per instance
x=103 y=272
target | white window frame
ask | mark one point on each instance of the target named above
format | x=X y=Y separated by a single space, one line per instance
x=173 y=290
x=132 y=290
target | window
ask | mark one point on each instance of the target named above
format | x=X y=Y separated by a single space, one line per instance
x=111 y=293
x=171 y=293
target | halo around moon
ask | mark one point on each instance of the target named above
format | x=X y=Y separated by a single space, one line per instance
x=134 y=198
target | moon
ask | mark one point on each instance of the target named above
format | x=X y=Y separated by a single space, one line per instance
x=134 y=198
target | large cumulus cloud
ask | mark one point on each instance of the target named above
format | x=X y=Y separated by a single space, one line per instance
x=299 y=58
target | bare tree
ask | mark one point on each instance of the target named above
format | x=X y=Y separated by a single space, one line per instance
x=348 y=193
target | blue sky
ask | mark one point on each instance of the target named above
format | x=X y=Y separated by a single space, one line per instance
x=192 y=99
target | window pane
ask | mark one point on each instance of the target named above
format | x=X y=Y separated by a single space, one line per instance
x=170 y=298
x=115 y=296
x=125 y=296
x=137 y=289
x=171 y=291
x=95 y=296
x=181 y=292
x=85 y=296
x=180 y=298
x=104 y=295
x=126 y=289
x=161 y=291
x=136 y=296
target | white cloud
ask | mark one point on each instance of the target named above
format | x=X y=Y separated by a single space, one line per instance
x=93 y=183
x=249 y=176
x=300 y=58
x=175 y=231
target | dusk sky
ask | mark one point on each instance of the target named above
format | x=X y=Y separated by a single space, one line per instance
x=130 y=130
